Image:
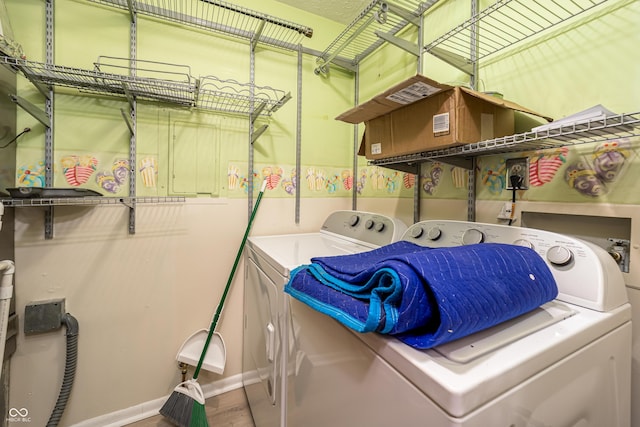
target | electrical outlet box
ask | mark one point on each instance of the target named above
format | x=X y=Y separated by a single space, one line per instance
x=507 y=211
x=43 y=316
x=517 y=173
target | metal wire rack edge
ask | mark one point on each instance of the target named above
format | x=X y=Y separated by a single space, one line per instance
x=521 y=20
x=89 y=201
x=624 y=125
x=209 y=92
x=221 y=17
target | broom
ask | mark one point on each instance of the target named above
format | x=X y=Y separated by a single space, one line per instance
x=185 y=406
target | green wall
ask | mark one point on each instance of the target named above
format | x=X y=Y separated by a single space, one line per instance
x=180 y=151
x=583 y=62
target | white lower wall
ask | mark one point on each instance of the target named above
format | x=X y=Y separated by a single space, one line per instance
x=136 y=297
x=149 y=409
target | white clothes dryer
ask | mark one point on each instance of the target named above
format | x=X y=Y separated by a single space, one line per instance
x=275 y=325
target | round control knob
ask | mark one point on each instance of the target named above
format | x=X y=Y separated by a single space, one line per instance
x=369 y=224
x=416 y=232
x=523 y=242
x=354 y=220
x=379 y=227
x=559 y=255
x=472 y=236
x=434 y=233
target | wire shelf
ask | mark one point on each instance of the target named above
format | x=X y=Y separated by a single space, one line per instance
x=175 y=88
x=220 y=17
x=233 y=97
x=604 y=129
x=359 y=38
x=156 y=81
x=503 y=24
x=88 y=201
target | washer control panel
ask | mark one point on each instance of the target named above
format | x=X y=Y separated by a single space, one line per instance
x=585 y=273
x=364 y=227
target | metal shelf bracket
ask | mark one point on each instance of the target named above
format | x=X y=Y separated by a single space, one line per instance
x=36 y=112
x=258 y=132
x=127 y=121
x=409 y=47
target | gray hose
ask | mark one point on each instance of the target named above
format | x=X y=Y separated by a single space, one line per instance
x=69 y=370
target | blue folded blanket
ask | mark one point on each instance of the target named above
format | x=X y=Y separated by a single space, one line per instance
x=425 y=296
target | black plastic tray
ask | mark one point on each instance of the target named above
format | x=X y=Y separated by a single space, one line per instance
x=50 y=193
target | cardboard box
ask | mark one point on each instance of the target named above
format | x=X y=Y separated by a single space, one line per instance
x=421 y=114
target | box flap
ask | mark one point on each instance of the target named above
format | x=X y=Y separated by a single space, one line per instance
x=409 y=91
x=362 y=148
x=503 y=103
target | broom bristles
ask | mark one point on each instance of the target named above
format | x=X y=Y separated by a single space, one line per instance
x=185 y=406
x=198 y=416
x=178 y=409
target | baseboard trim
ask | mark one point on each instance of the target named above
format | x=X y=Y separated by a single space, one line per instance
x=151 y=408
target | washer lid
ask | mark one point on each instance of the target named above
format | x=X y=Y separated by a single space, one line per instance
x=473 y=346
x=288 y=251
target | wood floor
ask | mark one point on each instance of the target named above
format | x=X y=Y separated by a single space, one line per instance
x=226 y=410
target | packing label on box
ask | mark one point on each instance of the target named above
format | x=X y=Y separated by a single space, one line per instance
x=441 y=124
x=413 y=93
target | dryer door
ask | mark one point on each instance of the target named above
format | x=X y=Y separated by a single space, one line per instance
x=261 y=352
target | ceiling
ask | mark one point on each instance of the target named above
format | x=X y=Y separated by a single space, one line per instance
x=343 y=11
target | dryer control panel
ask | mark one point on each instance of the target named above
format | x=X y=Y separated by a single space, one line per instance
x=364 y=227
x=585 y=273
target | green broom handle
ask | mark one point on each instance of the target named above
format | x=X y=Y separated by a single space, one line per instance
x=214 y=322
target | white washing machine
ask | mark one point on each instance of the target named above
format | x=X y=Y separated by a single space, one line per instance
x=275 y=325
x=567 y=363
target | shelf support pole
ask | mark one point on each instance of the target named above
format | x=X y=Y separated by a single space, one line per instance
x=48 y=106
x=473 y=81
x=417 y=199
x=417 y=195
x=356 y=143
x=298 y=134
x=132 y=122
x=471 y=202
x=471 y=192
x=252 y=81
